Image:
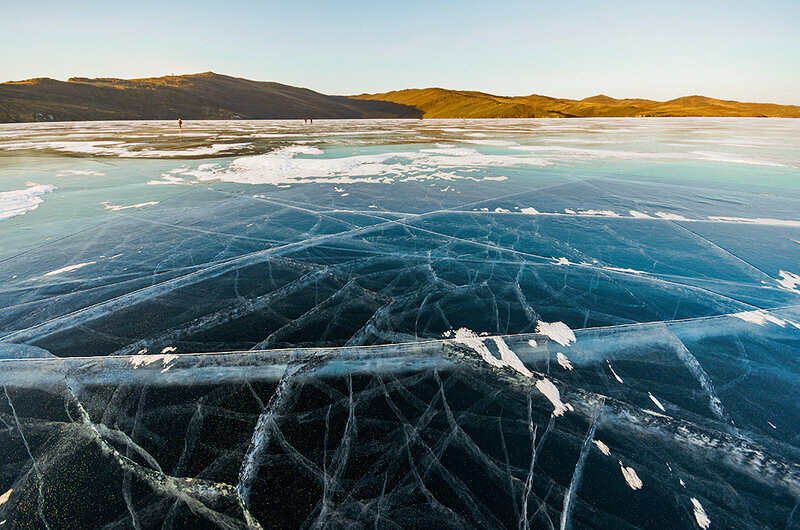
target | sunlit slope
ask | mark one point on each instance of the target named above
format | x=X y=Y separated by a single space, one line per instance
x=198 y=96
x=442 y=103
x=214 y=96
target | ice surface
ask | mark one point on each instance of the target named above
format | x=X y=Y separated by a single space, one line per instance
x=590 y=324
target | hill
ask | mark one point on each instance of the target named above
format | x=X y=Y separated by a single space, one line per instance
x=197 y=96
x=214 y=96
x=442 y=103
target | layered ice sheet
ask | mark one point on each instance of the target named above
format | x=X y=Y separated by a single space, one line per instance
x=471 y=323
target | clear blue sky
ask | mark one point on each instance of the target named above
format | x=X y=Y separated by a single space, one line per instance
x=744 y=50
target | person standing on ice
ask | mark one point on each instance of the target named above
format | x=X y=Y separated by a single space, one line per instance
x=180 y=123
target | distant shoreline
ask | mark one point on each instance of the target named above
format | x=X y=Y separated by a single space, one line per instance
x=571 y=118
x=210 y=96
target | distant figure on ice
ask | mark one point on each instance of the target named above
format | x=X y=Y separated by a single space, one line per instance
x=180 y=123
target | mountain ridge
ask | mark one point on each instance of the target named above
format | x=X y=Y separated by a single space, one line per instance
x=209 y=95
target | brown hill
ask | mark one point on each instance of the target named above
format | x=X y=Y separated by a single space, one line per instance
x=214 y=96
x=441 y=103
x=198 y=96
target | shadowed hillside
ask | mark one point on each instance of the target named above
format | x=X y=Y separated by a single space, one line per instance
x=198 y=96
x=442 y=103
x=214 y=96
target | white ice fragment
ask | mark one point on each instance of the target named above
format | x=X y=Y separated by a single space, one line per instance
x=372 y=206
x=17 y=202
x=142 y=351
x=169 y=349
x=501 y=210
x=529 y=211
x=682 y=483
x=772 y=425
x=4 y=497
x=557 y=331
x=563 y=361
x=69 y=268
x=571 y=212
x=700 y=514
x=631 y=477
x=656 y=401
x=618 y=378
x=532 y=343
x=560 y=261
x=546 y=387
x=603 y=447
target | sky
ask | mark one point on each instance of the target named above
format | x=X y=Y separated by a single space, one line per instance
x=742 y=50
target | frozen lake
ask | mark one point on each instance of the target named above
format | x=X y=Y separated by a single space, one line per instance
x=585 y=323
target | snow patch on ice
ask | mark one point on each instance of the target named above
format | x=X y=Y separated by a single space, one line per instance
x=760 y=317
x=301 y=163
x=116 y=208
x=656 y=401
x=508 y=358
x=640 y=215
x=618 y=378
x=631 y=477
x=789 y=280
x=620 y=269
x=557 y=331
x=86 y=172
x=603 y=447
x=550 y=391
x=673 y=217
x=754 y=221
x=69 y=268
x=700 y=514
x=563 y=361
x=18 y=202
